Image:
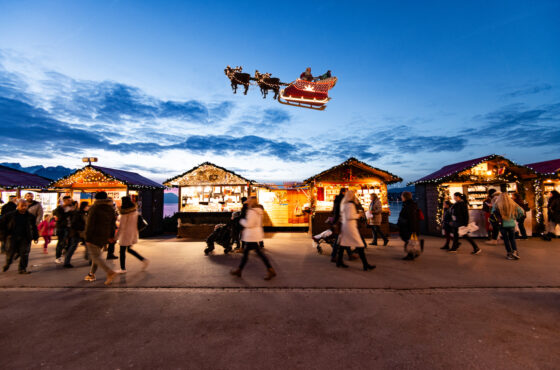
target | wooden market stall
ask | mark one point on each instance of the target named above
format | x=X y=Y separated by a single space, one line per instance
x=16 y=182
x=85 y=182
x=548 y=179
x=473 y=178
x=352 y=174
x=208 y=195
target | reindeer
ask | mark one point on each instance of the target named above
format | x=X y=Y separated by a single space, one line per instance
x=237 y=77
x=266 y=83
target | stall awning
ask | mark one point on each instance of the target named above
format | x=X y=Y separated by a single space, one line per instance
x=546 y=168
x=14 y=179
x=207 y=174
x=447 y=173
x=100 y=177
x=387 y=177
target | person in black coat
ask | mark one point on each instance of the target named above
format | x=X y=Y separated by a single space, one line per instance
x=459 y=218
x=446 y=223
x=19 y=228
x=7 y=208
x=408 y=222
x=63 y=214
x=336 y=226
x=553 y=214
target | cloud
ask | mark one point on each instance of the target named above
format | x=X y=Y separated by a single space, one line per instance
x=529 y=90
x=268 y=120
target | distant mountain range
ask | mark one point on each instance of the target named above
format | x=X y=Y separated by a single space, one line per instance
x=52 y=173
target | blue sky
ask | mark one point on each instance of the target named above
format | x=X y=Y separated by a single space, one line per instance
x=140 y=84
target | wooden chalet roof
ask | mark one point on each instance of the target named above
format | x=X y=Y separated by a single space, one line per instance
x=207 y=174
x=11 y=178
x=388 y=177
x=132 y=180
x=450 y=170
x=547 y=167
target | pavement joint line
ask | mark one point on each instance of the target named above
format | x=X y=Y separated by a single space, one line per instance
x=210 y=289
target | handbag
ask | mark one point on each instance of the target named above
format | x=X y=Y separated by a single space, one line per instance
x=470 y=228
x=413 y=246
x=142 y=223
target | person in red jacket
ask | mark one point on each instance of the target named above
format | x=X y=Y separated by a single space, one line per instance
x=46 y=228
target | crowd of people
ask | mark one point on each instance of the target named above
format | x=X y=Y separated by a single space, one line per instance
x=98 y=227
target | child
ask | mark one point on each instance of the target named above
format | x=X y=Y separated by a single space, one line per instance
x=46 y=228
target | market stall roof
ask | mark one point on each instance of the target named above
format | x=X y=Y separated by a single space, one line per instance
x=15 y=179
x=388 y=177
x=98 y=175
x=447 y=172
x=547 y=168
x=207 y=174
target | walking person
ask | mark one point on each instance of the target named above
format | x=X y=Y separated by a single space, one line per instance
x=127 y=234
x=446 y=223
x=494 y=223
x=46 y=230
x=100 y=230
x=9 y=207
x=553 y=214
x=521 y=220
x=507 y=211
x=20 y=228
x=111 y=247
x=376 y=212
x=77 y=228
x=459 y=218
x=336 y=224
x=63 y=218
x=34 y=207
x=251 y=236
x=349 y=233
x=408 y=223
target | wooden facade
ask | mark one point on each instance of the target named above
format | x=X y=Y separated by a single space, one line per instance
x=352 y=174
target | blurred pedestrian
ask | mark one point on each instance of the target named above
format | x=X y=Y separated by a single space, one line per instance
x=236 y=226
x=9 y=207
x=111 y=247
x=553 y=214
x=35 y=208
x=376 y=213
x=100 y=230
x=409 y=225
x=19 y=228
x=336 y=225
x=493 y=221
x=521 y=220
x=127 y=234
x=63 y=215
x=349 y=232
x=77 y=228
x=507 y=211
x=446 y=223
x=251 y=236
x=460 y=218
x=46 y=230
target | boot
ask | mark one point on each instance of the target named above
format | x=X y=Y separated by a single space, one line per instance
x=236 y=272
x=270 y=274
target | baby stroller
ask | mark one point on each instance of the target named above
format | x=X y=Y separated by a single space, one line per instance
x=221 y=235
x=326 y=237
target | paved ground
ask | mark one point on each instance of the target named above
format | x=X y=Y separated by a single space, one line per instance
x=441 y=311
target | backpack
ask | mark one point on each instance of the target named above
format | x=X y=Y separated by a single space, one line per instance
x=420 y=215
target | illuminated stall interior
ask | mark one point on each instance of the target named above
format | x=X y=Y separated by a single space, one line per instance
x=352 y=174
x=474 y=178
x=82 y=185
x=210 y=188
x=548 y=173
x=18 y=183
x=284 y=205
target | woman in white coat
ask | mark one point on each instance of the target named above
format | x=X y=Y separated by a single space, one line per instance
x=349 y=233
x=127 y=234
x=252 y=236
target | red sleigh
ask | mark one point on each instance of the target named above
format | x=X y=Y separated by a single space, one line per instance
x=306 y=94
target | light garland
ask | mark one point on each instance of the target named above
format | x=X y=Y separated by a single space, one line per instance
x=539 y=203
x=90 y=176
x=443 y=193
